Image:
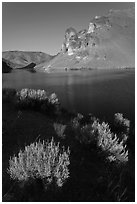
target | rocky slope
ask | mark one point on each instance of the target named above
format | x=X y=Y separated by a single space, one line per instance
x=6 y=66
x=109 y=42
x=21 y=59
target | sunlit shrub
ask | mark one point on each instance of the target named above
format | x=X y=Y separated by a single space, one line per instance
x=30 y=97
x=37 y=99
x=109 y=142
x=101 y=135
x=46 y=161
x=53 y=99
x=122 y=122
x=59 y=129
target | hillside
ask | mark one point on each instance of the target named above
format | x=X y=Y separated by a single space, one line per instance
x=109 y=42
x=6 y=66
x=21 y=59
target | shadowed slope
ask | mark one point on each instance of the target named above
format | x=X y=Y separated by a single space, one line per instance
x=20 y=59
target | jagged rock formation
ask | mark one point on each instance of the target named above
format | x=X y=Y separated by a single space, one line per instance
x=109 y=42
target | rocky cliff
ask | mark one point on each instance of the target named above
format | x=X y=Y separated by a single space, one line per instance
x=108 y=42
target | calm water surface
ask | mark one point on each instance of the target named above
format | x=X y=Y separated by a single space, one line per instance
x=101 y=92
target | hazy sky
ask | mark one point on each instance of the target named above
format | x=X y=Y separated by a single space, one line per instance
x=32 y=26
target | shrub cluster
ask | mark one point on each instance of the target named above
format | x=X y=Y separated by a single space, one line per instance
x=42 y=160
x=84 y=132
x=122 y=122
x=76 y=121
x=109 y=142
x=32 y=99
x=101 y=135
x=37 y=99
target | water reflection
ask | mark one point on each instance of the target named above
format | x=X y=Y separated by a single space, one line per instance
x=101 y=92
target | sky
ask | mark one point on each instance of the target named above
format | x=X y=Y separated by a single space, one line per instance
x=40 y=26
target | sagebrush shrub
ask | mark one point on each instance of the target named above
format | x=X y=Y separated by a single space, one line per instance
x=59 y=129
x=109 y=142
x=37 y=99
x=42 y=160
x=120 y=121
x=76 y=120
x=32 y=93
x=85 y=134
x=53 y=99
x=101 y=135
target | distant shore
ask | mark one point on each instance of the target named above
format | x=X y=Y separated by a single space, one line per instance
x=81 y=69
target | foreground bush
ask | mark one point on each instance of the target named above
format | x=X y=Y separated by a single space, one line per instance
x=121 y=122
x=101 y=135
x=32 y=99
x=45 y=161
x=109 y=142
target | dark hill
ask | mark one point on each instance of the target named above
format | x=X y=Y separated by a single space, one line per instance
x=21 y=59
x=6 y=67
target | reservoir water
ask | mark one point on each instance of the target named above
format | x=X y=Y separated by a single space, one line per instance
x=100 y=92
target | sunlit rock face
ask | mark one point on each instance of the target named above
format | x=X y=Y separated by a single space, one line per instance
x=107 y=42
x=70 y=33
x=83 y=38
x=75 y=42
x=91 y=28
x=70 y=41
x=70 y=50
x=63 y=48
